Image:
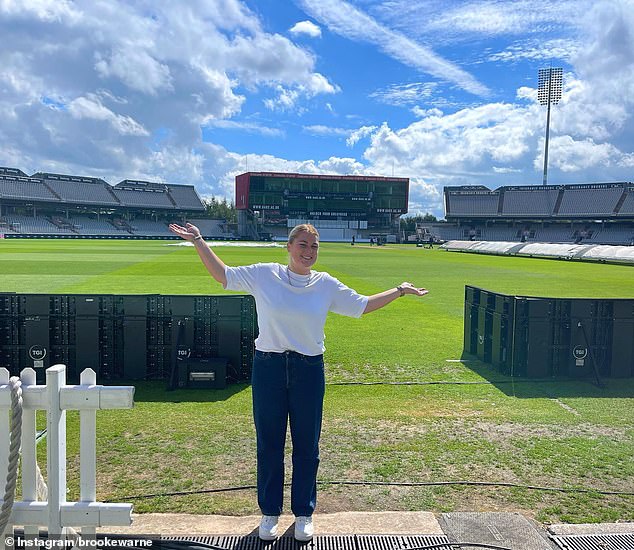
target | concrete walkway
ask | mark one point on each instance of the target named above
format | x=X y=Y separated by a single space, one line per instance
x=342 y=523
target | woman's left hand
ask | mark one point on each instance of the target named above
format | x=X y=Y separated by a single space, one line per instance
x=409 y=288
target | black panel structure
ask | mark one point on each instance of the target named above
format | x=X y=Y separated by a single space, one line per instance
x=133 y=337
x=548 y=337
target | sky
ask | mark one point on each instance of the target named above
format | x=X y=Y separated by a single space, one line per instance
x=198 y=91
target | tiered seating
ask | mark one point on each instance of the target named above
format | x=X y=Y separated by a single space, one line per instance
x=28 y=224
x=150 y=228
x=185 y=197
x=19 y=187
x=89 y=226
x=210 y=228
x=526 y=202
x=72 y=191
x=622 y=236
x=63 y=225
x=494 y=233
x=448 y=232
x=476 y=204
x=627 y=207
x=5 y=227
x=55 y=196
x=555 y=234
x=579 y=202
x=149 y=199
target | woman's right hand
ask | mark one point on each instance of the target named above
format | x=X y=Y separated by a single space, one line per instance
x=189 y=232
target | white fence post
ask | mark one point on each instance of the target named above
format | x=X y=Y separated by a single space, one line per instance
x=4 y=448
x=29 y=450
x=88 y=450
x=55 y=448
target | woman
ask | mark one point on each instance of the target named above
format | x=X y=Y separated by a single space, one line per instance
x=292 y=303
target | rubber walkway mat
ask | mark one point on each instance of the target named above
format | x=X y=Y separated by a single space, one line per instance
x=594 y=542
x=501 y=530
x=327 y=542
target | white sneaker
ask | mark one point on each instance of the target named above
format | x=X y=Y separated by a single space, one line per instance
x=304 y=528
x=268 y=527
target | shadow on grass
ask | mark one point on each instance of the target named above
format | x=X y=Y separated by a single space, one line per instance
x=559 y=387
x=155 y=391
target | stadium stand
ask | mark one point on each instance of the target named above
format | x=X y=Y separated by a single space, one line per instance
x=23 y=188
x=71 y=206
x=149 y=227
x=482 y=204
x=533 y=201
x=79 y=190
x=88 y=226
x=627 y=208
x=598 y=213
x=185 y=197
x=143 y=199
x=33 y=225
x=587 y=201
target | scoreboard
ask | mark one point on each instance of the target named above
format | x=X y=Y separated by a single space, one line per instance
x=322 y=197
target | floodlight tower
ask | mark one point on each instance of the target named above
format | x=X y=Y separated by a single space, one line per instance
x=549 y=93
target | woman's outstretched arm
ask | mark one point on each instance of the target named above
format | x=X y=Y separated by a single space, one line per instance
x=213 y=263
x=377 y=301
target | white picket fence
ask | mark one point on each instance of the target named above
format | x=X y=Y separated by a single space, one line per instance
x=56 y=398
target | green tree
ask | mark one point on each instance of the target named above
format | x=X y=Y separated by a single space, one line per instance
x=220 y=210
x=408 y=223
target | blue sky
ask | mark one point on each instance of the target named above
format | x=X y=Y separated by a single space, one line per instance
x=198 y=91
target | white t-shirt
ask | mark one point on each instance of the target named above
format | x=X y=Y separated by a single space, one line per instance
x=292 y=312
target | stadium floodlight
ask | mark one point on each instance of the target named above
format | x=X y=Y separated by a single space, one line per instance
x=549 y=93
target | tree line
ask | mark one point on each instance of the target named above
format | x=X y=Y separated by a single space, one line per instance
x=220 y=210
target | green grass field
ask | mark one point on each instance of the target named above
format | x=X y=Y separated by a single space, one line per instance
x=479 y=426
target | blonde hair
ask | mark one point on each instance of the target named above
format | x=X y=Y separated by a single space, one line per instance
x=302 y=227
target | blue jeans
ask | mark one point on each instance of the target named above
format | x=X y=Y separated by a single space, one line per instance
x=287 y=386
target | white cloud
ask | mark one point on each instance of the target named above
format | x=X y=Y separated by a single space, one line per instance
x=506 y=170
x=359 y=134
x=92 y=108
x=249 y=127
x=558 y=49
x=424 y=197
x=136 y=69
x=306 y=27
x=405 y=94
x=498 y=17
x=288 y=97
x=352 y=136
x=274 y=60
x=570 y=155
x=464 y=21
x=87 y=86
x=44 y=10
x=422 y=113
x=236 y=164
x=285 y=100
x=346 y=20
x=323 y=130
x=457 y=141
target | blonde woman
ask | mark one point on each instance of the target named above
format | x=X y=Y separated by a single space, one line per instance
x=288 y=385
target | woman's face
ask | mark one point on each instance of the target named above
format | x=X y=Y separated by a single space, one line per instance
x=303 y=252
